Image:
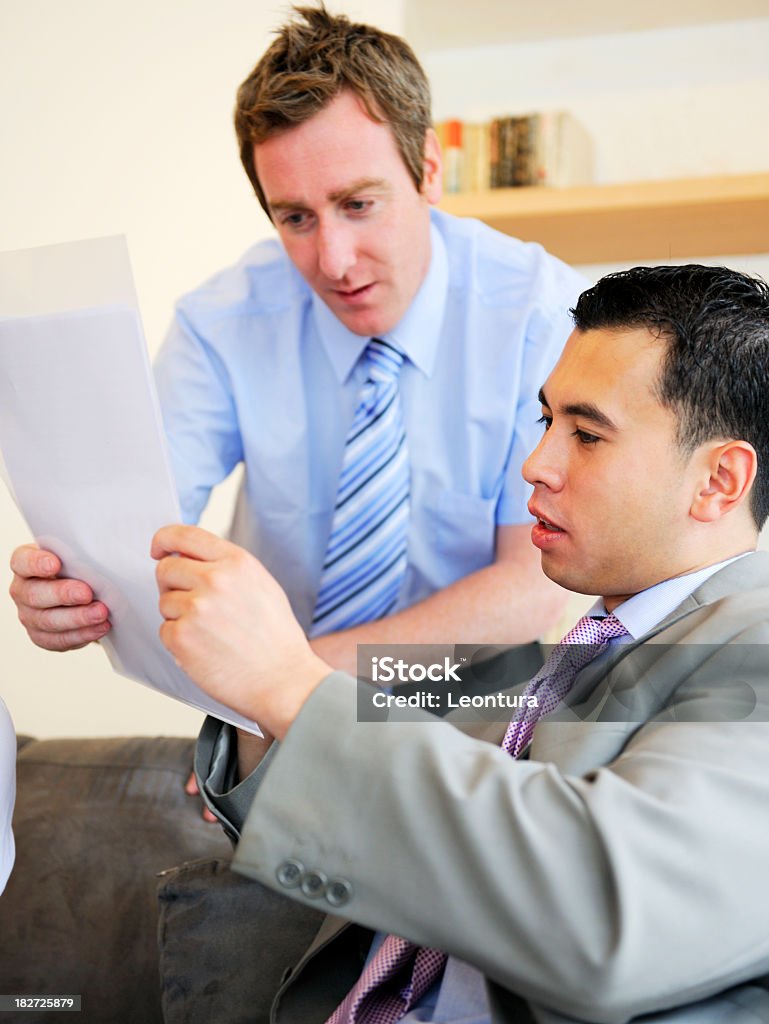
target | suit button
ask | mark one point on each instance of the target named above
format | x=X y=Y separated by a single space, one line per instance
x=314 y=884
x=338 y=892
x=290 y=873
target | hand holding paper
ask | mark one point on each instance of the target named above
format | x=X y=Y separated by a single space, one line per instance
x=230 y=627
x=58 y=614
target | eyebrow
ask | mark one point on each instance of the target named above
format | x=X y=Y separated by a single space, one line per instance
x=362 y=185
x=586 y=410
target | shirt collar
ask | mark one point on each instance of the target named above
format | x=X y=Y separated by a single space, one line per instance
x=644 y=611
x=416 y=335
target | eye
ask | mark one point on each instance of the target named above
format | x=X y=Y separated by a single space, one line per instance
x=546 y=419
x=297 y=220
x=584 y=438
x=358 y=205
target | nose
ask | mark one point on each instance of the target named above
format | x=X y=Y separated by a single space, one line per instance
x=336 y=250
x=545 y=465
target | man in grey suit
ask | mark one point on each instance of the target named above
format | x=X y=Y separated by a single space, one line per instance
x=618 y=870
x=618 y=866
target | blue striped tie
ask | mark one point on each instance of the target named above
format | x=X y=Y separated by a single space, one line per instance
x=366 y=555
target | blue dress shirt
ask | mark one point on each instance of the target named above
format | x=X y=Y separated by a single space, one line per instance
x=257 y=369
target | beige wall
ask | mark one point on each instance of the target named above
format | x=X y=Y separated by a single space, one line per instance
x=115 y=118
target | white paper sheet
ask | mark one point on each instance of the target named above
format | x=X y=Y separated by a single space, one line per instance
x=84 y=449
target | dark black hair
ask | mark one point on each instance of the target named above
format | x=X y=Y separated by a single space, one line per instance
x=715 y=373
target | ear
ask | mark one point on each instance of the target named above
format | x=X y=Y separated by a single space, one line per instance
x=730 y=469
x=432 y=179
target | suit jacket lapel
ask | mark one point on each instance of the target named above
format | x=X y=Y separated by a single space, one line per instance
x=611 y=697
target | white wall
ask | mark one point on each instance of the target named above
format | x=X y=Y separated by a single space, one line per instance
x=117 y=119
x=672 y=103
x=660 y=104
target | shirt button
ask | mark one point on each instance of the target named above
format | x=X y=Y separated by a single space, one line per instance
x=290 y=873
x=338 y=892
x=314 y=884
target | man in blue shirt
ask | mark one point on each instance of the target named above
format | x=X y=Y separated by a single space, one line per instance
x=264 y=363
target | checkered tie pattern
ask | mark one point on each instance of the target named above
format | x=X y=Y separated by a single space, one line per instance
x=550 y=685
x=394 y=981
x=366 y=555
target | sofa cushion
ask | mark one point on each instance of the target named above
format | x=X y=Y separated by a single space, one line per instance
x=96 y=821
x=225 y=944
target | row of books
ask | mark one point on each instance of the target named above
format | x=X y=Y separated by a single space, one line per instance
x=550 y=148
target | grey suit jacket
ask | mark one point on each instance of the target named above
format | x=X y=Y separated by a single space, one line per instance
x=623 y=870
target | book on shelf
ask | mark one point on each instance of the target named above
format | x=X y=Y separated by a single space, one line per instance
x=465 y=146
x=549 y=148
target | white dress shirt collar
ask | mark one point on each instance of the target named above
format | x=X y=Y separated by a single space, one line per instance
x=644 y=611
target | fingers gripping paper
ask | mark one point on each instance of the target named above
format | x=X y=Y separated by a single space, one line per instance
x=83 y=445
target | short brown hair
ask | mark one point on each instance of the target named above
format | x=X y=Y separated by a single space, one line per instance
x=316 y=56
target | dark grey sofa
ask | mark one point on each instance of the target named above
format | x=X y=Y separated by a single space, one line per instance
x=122 y=894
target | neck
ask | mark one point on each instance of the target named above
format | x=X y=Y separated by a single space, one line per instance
x=613 y=601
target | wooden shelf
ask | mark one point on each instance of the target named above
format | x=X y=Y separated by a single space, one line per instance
x=651 y=220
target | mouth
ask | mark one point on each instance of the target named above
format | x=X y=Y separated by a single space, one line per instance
x=544 y=522
x=547 y=525
x=353 y=295
x=545 y=534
